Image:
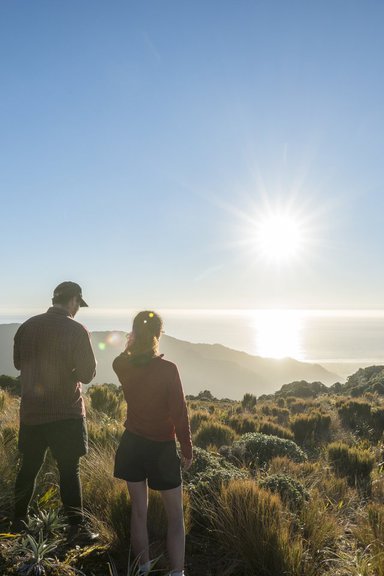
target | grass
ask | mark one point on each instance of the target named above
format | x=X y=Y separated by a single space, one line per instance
x=262 y=506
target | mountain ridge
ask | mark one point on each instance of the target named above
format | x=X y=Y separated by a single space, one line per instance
x=224 y=371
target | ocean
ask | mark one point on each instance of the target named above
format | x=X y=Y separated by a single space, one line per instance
x=340 y=340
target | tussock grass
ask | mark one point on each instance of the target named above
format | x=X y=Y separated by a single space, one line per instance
x=267 y=427
x=196 y=418
x=353 y=463
x=214 y=433
x=250 y=531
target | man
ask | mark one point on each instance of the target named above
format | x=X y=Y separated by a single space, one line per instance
x=54 y=354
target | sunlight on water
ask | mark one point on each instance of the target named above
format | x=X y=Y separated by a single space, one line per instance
x=278 y=334
x=336 y=338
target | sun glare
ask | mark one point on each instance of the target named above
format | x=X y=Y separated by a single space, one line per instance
x=278 y=334
x=279 y=238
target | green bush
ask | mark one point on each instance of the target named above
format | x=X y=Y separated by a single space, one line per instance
x=302 y=389
x=370 y=379
x=291 y=491
x=214 y=433
x=258 y=449
x=352 y=463
x=210 y=470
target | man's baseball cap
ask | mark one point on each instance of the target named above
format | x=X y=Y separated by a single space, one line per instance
x=68 y=290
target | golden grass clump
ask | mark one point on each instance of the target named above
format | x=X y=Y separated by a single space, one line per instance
x=107 y=434
x=312 y=428
x=242 y=424
x=3 y=400
x=353 y=463
x=104 y=398
x=276 y=411
x=320 y=530
x=370 y=534
x=214 y=433
x=9 y=457
x=297 y=406
x=196 y=417
x=249 y=529
x=267 y=427
x=304 y=471
x=336 y=490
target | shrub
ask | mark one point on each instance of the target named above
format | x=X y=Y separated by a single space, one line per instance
x=355 y=414
x=210 y=470
x=10 y=385
x=320 y=531
x=283 y=465
x=334 y=489
x=371 y=535
x=370 y=379
x=297 y=406
x=302 y=389
x=352 y=463
x=106 y=399
x=203 y=395
x=258 y=449
x=197 y=418
x=242 y=424
x=2 y=400
x=105 y=433
x=266 y=409
x=281 y=414
x=266 y=427
x=9 y=456
x=363 y=419
x=377 y=416
x=249 y=401
x=311 y=428
x=291 y=492
x=214 y=433
x=249 y=531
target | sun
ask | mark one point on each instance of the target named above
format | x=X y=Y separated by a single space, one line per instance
x=279 y=237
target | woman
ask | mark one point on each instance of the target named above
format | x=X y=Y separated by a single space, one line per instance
x=156 y=413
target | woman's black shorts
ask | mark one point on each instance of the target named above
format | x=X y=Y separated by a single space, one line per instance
x=138 y=458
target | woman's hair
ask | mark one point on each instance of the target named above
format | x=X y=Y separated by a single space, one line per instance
x=146 y=330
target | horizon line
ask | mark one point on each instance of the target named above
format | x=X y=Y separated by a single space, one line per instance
x=321 y=312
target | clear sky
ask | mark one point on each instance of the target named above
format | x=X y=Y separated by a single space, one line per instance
x=141 y=142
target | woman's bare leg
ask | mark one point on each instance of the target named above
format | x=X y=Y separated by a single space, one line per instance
x=138 y=492
x=173 y=503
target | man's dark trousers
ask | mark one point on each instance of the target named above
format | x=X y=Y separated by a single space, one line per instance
x=68 y=441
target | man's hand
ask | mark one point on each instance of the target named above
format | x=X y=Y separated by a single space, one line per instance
x=186 y=463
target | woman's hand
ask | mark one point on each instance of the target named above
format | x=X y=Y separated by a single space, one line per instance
x=186 y=463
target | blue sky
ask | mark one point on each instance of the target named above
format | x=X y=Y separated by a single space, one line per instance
x=138 y=140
